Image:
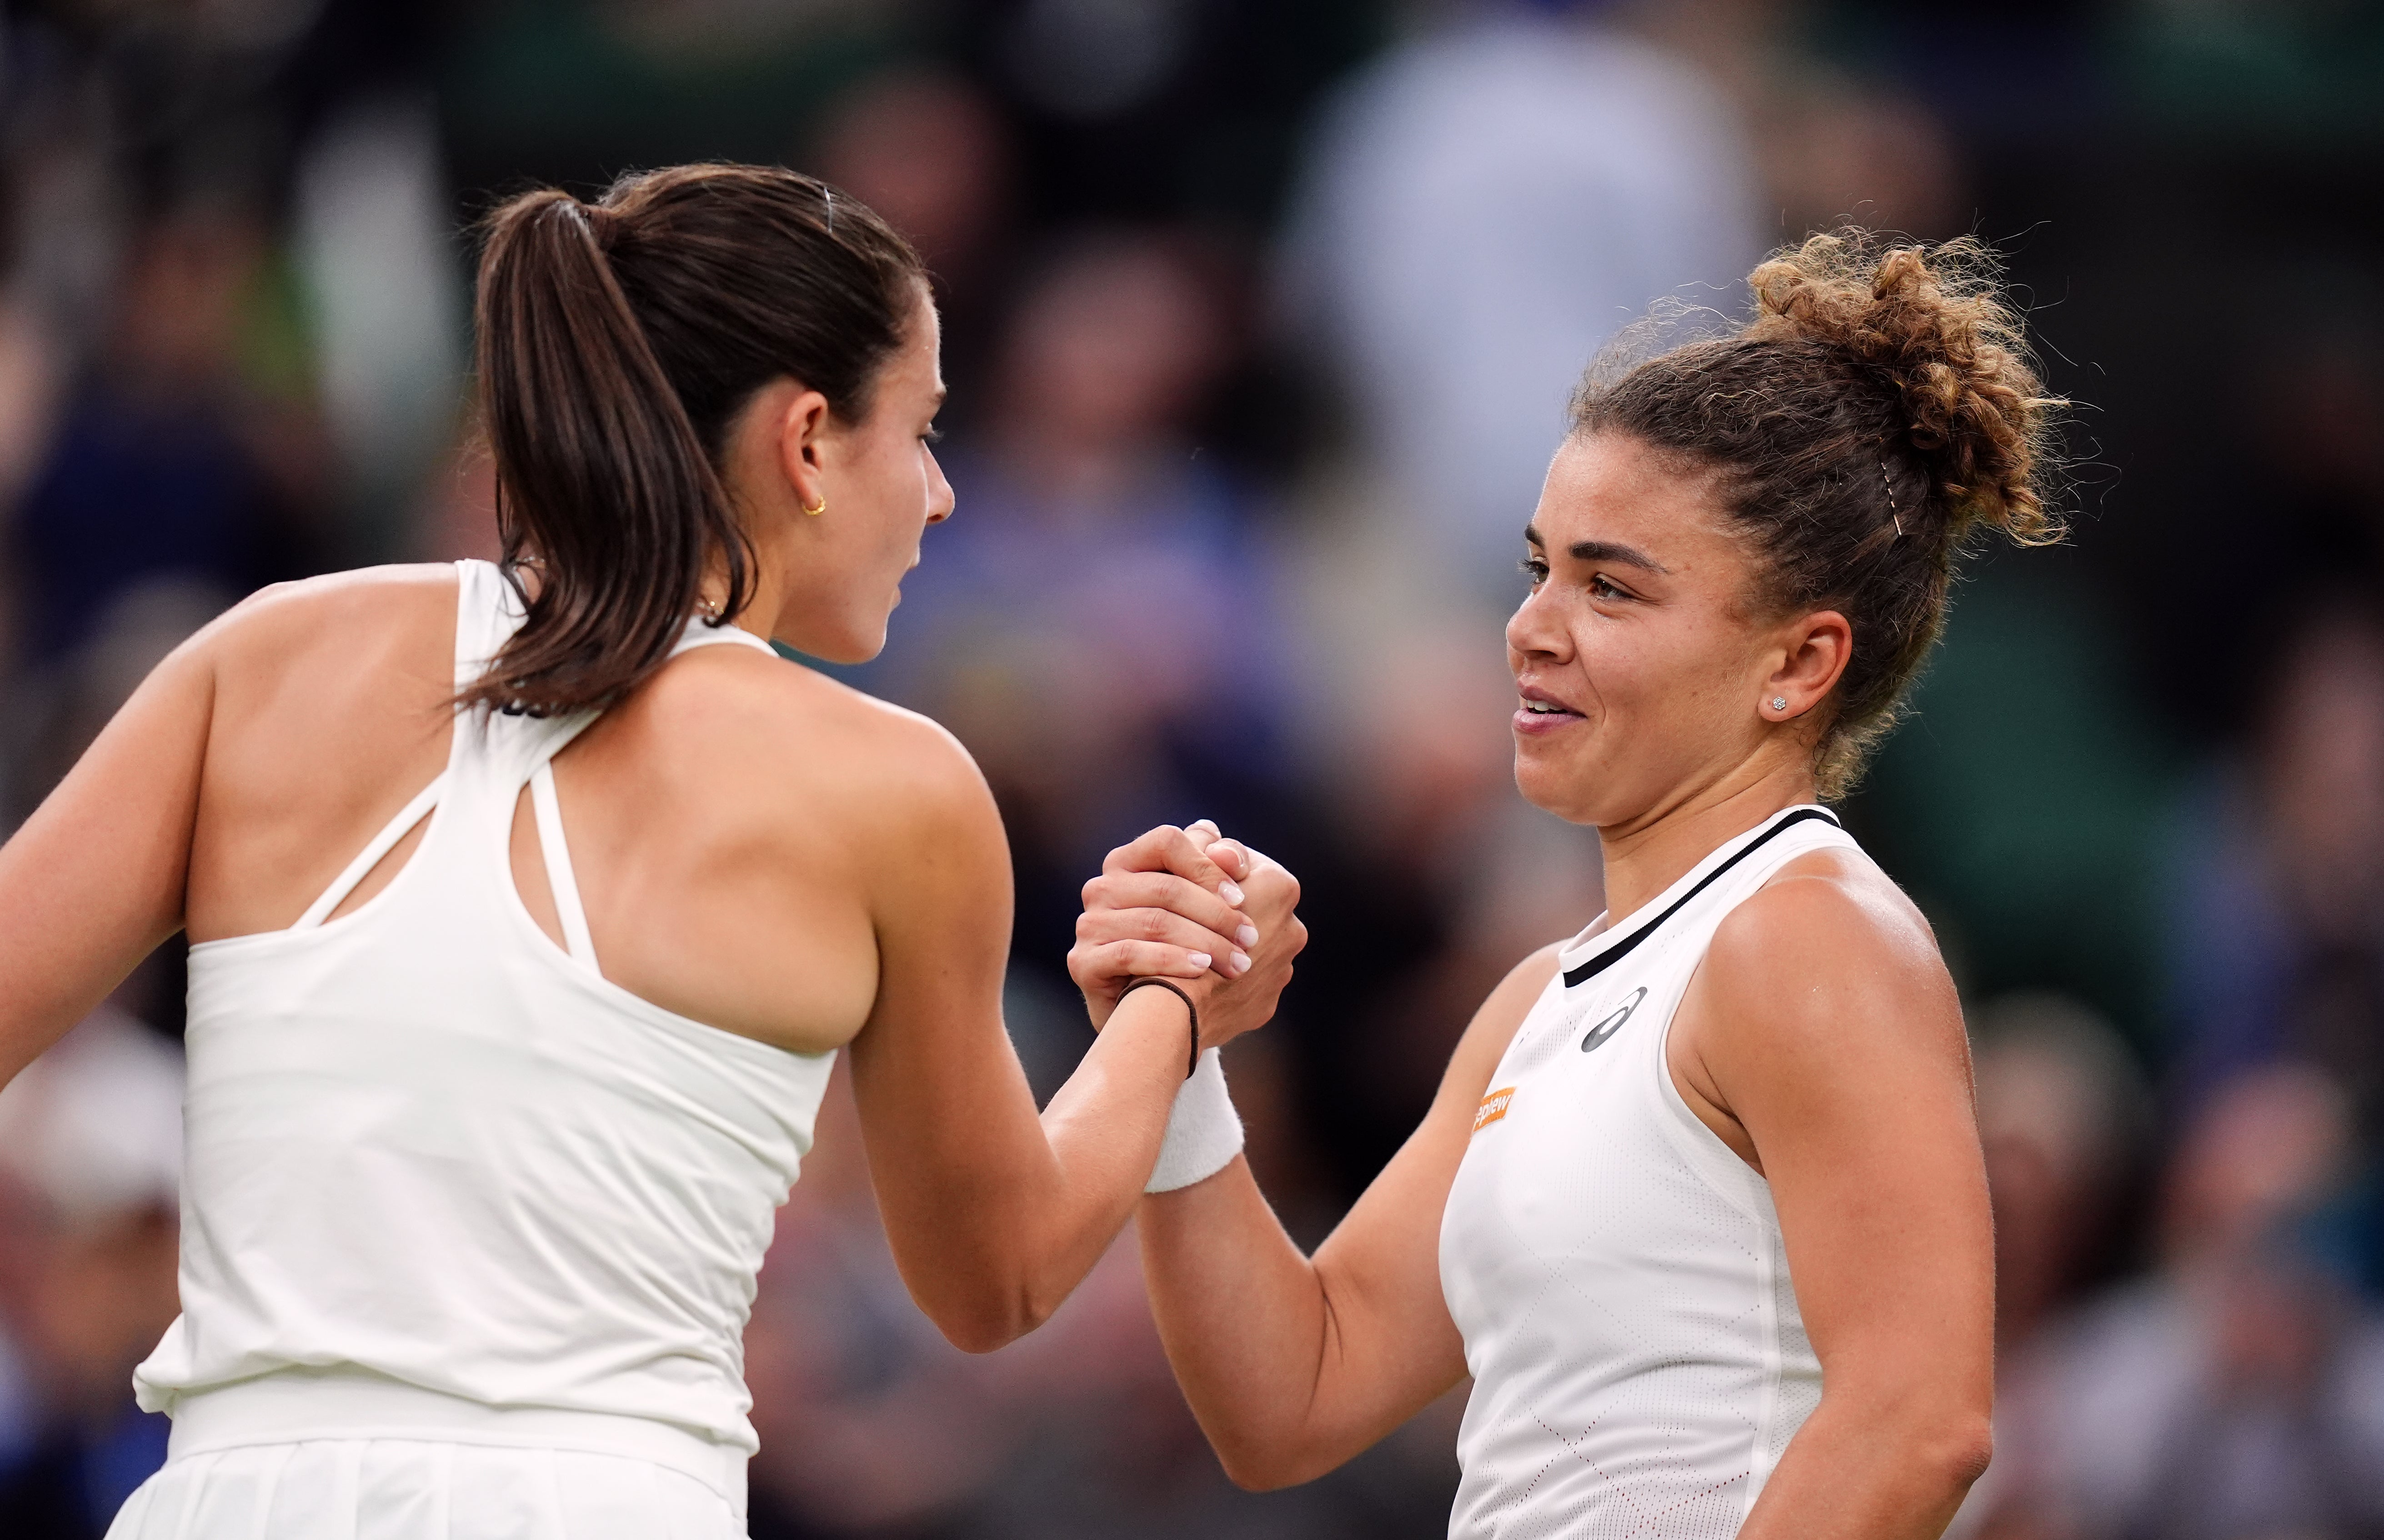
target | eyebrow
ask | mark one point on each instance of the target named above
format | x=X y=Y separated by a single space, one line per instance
x=1601 y=550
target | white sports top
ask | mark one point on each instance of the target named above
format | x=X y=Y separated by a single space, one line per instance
x=441 y=1172
x=1638 y=1360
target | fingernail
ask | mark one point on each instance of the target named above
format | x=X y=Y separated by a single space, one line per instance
x=1241 y=962
x=1200 y=958
x=1248 y=936
x=1231 y=892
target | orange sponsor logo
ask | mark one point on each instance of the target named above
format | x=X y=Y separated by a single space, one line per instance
x=1493 y=1108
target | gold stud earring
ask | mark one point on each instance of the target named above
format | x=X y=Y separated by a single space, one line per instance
x=821 y=509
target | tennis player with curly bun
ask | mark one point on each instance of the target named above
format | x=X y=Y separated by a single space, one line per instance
x=1700 y=1205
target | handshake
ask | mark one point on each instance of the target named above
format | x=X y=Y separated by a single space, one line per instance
x=1208 y=913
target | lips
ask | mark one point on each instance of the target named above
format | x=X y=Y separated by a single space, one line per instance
x=1539 y=712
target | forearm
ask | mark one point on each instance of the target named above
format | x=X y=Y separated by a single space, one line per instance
x=995 y=1216
x=1103 y=1128
x=1295 y=1364
x=1244 y=1318
x=1873 y=1467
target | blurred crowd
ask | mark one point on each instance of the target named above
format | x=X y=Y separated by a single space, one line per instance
x=1260 y=321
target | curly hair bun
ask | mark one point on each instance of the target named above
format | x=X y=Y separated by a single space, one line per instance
x=1935 y=324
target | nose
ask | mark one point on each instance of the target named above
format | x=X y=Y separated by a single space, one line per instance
x=940 y=498
x=1536 y=631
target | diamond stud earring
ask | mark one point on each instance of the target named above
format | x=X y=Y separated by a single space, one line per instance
x=1780 y=702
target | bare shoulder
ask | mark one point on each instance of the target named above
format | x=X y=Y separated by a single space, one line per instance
x=334 y=610
x=790 y=734
x=1825 y=911
x=1830 y=952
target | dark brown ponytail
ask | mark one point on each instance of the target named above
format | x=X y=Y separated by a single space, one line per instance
x=616 y=343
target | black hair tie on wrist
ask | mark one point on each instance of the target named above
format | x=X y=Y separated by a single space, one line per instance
x=1179 y=993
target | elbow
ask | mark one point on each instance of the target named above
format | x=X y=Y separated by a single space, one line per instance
x=977 y=1333
x=1258 y=1474
x=1968 y=1453
x=1269 y=1464
x=990 y=1322
x=1936 y=1443
x=1954 y=1448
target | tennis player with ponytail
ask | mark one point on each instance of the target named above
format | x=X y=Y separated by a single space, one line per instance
x=529 y=902
x=1700 y=1205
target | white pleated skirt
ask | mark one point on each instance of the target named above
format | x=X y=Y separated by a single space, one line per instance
x=421 y=1489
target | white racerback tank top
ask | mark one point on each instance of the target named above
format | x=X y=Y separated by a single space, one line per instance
x=1616 y=1272
x=443 y=1179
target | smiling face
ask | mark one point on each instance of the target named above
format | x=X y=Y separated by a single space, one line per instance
x=1644 y=663
x=830 y=580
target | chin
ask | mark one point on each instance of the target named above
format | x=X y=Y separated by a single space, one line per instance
x=1560 y=788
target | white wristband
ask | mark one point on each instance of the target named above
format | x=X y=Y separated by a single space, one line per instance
x=1204 y=1133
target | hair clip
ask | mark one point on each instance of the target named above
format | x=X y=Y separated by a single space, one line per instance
x=1892 y=511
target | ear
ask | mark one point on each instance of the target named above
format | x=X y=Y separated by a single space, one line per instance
x=1814 y=651
x=803 y=427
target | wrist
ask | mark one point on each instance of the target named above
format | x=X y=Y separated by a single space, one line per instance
x=1185 y=997
x=1204 y=1133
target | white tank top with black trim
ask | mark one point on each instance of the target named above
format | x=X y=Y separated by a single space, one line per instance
x=444 y=1178
x=1616 y=1271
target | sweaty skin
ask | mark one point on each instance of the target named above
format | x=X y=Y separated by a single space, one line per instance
x=760 y=848
x=1820 y=1038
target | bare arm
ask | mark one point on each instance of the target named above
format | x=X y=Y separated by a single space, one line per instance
x=1294 y=1365
x=994 y=1216
x=94 y=881
x=1824 y=1027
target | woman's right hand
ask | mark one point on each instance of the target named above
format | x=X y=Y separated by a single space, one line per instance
x=1207 y=913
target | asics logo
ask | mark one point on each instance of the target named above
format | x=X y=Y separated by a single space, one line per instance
x=1613 y=1024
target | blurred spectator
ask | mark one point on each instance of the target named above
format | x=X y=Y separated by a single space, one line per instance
x=1832 y=142
x=2279 y=946
x=375 y=242
x=1484 y=208
x=28 y=370
x=2236 y=1395
x=929 y=151
x=2063 y=1116
x=163 y=463
x=2281 y=943
x=90 y=1178
x=1098 y=622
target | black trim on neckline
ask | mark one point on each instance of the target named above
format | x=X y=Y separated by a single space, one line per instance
x=1598 y=965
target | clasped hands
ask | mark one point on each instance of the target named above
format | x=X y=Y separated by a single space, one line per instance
x=1210 y=914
